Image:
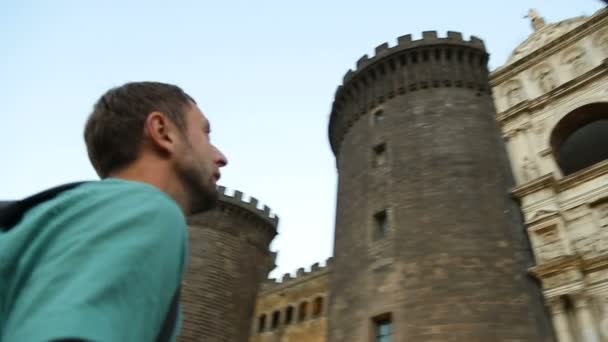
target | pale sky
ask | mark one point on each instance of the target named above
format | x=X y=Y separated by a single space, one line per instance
x=264 y=72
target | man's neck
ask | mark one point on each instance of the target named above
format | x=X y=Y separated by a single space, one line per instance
x=156 y=176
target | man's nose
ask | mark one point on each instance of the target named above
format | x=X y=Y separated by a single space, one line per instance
x=220 y=158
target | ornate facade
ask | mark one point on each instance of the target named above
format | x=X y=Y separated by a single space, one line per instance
x=552 y=103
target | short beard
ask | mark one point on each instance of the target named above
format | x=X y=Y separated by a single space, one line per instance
x=200 y=196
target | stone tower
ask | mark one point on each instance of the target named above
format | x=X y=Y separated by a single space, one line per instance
x=229 y=259
x=428 y=243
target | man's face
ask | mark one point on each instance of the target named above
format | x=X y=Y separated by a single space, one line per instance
x=198 y=162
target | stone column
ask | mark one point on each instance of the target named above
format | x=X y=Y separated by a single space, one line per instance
x=525 y=130
x=588 y=329
x=524 y=150
x=512 y=144
x=538 y=136
x=560 y=320
x=603 y=325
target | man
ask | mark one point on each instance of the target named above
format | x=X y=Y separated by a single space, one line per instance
x=103 y=260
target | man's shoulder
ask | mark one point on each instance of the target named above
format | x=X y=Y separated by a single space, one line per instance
x=109 y=201
x=119 y=193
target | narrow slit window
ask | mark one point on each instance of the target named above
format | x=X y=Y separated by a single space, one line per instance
x=381 y=225
x=378 y=117
x=379 y=155
x=425 y=56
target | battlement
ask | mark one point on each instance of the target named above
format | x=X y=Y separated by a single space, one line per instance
x=411 y=65
x=300 y=275
x=253 y=206
x=406 y=42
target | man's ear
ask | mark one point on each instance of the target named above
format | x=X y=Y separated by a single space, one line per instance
x=160 y=132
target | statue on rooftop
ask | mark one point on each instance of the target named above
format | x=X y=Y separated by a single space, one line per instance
x=537 y=21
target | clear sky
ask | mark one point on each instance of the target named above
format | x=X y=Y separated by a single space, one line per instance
x=264 y=72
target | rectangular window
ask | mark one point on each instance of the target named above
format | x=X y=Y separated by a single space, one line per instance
x=380 y=155
x=381 y=225
x=383 y=328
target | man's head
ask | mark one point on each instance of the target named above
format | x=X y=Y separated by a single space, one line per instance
x=155 y=132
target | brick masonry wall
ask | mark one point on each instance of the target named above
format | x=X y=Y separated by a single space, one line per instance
x=305 y=325
x=229 y=258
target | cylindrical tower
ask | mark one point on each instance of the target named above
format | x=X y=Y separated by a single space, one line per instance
x=229 y=259
x=428 y=243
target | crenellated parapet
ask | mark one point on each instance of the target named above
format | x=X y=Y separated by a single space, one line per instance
x=234 y=211
x=252 y=206
x=452 y=42
x=409 y=66
x=301 y=275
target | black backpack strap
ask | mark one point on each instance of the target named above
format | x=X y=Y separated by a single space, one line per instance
x=11 y=214
x=170 y=322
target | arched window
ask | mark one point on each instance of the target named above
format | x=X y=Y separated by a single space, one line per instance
x=302 y=311
x=262 y=323
x=317 y=307
x=580 y=139
x=275 y=319
x=289 y=315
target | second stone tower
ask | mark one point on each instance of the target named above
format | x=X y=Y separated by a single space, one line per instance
x=428 y=243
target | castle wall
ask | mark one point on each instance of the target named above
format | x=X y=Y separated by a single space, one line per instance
x=299 y=304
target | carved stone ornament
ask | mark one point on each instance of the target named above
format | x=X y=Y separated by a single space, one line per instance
x=603 y=43
x=603 y=216
x=588 y=246
x=530 y=169
x=514 y=94
x=550 y=245
x=543 y=34
x=546 y=80
x=577 y=63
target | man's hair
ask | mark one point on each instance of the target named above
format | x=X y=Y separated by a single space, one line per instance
x=114 y=130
